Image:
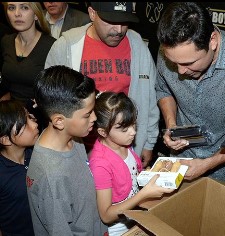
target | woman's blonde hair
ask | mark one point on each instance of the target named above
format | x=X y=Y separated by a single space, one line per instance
x=41 y=23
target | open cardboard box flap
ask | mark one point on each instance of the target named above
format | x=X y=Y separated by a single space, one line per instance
x=197 y=210
x=152 y=223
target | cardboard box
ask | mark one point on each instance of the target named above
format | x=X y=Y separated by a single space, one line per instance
x=166 y=179
x=138 y=230
x=198 y=210
x=151 y=202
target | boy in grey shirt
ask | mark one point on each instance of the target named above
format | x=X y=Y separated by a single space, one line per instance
x=60 y=185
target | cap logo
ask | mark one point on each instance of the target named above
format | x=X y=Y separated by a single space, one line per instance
x=120 y=6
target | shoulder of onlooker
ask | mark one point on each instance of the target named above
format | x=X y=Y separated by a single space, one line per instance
x=6 y=39
x=76 y=12
x=75 y=34
x=4 y=28
x=134 y=34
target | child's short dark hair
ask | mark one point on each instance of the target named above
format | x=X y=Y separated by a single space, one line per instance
x=11 y=113
x=108 y=105
x=60 y=89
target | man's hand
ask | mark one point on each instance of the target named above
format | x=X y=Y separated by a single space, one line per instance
x=177 y=144
x=196 y=167
x=146 y=157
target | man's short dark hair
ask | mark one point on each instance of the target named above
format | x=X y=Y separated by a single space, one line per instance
x=185 y=21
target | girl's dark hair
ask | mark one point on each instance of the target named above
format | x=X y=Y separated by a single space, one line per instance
x=185 y=22
x=108 y=105
x=11 y=113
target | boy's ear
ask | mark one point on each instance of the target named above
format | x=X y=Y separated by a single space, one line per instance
x=102 y=132
x=58 y=121
x=4 y=140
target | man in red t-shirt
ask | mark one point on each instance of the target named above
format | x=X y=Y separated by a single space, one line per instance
x=118 y=60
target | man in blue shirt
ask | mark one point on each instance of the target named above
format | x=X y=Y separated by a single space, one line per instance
x=190 y=84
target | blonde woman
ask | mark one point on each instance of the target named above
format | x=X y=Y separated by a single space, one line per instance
x=24 y=53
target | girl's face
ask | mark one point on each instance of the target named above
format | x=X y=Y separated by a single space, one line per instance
x=21 y=16
x=27 y=135
x=121 y=136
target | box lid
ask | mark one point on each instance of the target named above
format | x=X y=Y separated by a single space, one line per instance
x=199 y=209
x=152 y=223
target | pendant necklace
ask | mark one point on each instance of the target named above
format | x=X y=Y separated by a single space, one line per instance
x=21 y=55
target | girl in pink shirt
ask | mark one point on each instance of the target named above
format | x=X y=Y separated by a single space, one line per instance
x=115 y=165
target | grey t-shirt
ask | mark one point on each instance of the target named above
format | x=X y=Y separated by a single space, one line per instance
x=61 y=193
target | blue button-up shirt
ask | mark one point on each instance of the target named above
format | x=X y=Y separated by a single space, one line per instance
x=200 y=102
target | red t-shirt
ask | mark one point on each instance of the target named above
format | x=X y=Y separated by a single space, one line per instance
x=108 y=66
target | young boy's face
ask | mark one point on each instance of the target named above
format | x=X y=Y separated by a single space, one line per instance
x=82 y=121
x=28 y=135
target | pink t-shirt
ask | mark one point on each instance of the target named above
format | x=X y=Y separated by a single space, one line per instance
x=108 y=66
x=110 y=171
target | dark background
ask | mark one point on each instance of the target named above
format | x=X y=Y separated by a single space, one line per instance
x=149 y=14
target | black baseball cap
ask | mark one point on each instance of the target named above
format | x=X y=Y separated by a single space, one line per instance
x=115 y=11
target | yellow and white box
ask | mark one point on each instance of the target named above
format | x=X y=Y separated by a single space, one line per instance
x=170 y=170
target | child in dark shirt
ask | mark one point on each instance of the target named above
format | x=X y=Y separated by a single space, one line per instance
x=18 y=131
